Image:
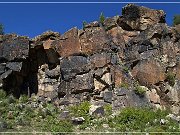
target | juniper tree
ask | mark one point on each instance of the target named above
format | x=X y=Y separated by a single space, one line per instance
x=176 y=20
x=1 y=29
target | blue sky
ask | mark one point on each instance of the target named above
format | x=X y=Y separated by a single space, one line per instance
x=33 y=19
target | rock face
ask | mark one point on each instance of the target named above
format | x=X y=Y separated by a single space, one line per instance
x=104 y=63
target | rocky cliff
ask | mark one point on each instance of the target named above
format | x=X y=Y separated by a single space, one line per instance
x=128 y=60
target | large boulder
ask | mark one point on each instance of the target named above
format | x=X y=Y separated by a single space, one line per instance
x=128 y=98
x=68 y=43
x=80 y=84
x=14 y=47
x=116 y=35
x=110 y=22
x=139 y=17
x=149 y=72
x=48 y=35
x=74 y=65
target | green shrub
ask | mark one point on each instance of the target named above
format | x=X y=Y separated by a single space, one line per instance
x=140 y=90
x=23 y=99
x=42 y=112
x=126 y=69
x=101 y=18
x=176 y=20
x=11 y=99
x=2 y=94
x=108 y=109
x=1 y=29
x=22 y=120
x=51 y=107
x=84 y=24
x=80 y=110
x=170 y=77
x=21 y=114
x=30 y=112
x=124 y=85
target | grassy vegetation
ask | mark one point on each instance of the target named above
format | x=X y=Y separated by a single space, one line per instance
x=140 y=90
x=170 y=77
x=82 y=110
x=126 y=69
x=21 y=115
x=130 y=120
x=108 y=109
x=124 y=85
x=142 y=119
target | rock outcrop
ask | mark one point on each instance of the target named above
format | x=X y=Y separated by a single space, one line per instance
x=103 y=63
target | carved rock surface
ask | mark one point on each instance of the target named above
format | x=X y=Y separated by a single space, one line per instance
x=94 y=39
x=69 y=43
x=100 y=60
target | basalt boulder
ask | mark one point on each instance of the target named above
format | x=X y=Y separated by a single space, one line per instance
x=68 y=44
x=74 y=65
x=80 y=84
x=139 y=17
x=149 y=72
x=14 y=47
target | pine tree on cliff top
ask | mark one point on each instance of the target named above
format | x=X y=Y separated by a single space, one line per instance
x=176 y=20
x=1 y=29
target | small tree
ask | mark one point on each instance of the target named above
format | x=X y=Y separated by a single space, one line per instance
x=176 y=20
x=101 y=18
x=1 y=29
x=84 y=24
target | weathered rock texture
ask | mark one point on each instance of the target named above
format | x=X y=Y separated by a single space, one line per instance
x=101 y=63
